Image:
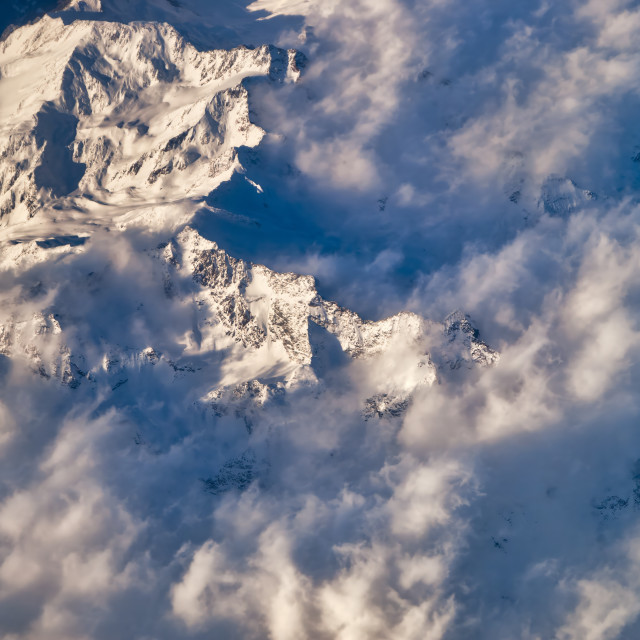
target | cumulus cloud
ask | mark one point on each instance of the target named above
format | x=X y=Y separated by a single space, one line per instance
x=363 y=52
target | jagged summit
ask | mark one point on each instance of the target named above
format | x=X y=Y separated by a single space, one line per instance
x=259 y=306
x=121 y=114
x=463 y=346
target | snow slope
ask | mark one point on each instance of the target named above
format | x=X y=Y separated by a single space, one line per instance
x=100 y=114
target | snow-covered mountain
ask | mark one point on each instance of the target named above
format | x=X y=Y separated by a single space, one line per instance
x=108 y=125
x=111 y=114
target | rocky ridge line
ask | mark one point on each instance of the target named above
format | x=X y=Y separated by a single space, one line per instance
x=122 y=112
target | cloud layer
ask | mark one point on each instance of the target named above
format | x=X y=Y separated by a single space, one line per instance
x=435 y=156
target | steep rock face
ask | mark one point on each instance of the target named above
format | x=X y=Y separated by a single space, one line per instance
x=258 y=305
x=361 y=338
x=463 y=346
x=235 y=474
x=384 y=405
x=122 y=111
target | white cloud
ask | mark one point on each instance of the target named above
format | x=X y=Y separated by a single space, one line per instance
x=364 y=52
